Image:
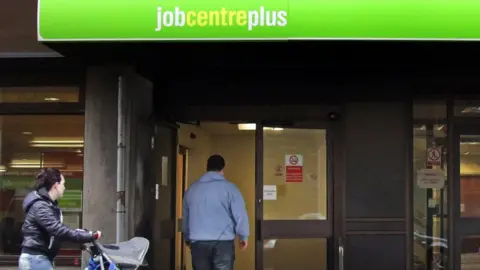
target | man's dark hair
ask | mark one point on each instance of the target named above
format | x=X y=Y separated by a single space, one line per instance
x=47 y=178
x=215 y=163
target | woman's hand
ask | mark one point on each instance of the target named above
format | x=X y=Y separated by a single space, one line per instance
x=97 y=235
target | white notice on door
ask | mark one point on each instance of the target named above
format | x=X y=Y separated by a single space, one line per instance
x=269 y=193
x=430 y=178
x=164 y=179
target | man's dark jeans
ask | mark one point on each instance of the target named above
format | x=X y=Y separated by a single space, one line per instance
x=213 y=255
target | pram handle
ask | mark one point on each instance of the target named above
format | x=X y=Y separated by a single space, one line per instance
x=94 y=242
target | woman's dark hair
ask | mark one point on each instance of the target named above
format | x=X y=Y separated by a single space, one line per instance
x=47 y=178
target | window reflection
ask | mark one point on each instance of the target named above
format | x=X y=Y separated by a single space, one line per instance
x=469 y=176
x=470 y=255
x=430 y=201
x=28 y=143
x=67 y=94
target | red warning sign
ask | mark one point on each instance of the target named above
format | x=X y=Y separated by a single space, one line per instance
x=294 y=168
x=294 y=174
x=434 y=156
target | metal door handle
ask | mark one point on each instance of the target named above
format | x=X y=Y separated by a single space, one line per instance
x=341 y=255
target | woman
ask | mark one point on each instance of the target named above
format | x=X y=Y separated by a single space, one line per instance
x=43 y=228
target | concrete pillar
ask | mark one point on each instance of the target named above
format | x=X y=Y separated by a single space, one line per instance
x=100 y=157
x=99 y=187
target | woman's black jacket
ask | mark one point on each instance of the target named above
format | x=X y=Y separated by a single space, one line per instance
x=43 y=230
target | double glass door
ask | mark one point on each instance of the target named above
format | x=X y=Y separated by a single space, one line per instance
x=467 y=198
x=295 y=206
x=285 y=173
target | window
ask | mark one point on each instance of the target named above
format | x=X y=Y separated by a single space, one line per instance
x=50 y=94
x=467 y=108
x=28 y=143
x=430 y=197
x=302 y=194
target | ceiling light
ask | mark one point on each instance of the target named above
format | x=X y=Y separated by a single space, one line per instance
x=34 y=164
x=58 y=141
x=470 y=143
x=252 y=126
x=57 y=145
x=76 y=142
x=27 y=133
x=29 y=166
x=474 y=109
x=247 y=126
x=51 y=99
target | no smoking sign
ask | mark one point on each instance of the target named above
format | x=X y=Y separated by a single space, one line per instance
x=294 y=168
x=293 y=160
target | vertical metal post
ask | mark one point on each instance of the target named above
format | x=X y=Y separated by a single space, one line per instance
x=452 y=198
x=430 y=211
x=120 y=213
x=259 y=195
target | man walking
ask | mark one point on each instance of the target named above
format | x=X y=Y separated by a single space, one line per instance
x=213 y=214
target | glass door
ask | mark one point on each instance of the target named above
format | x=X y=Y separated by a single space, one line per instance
x=162 y=247
x=467 y=197
x=294 y=197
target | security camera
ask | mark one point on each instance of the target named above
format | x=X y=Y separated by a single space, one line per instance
x=333 y=116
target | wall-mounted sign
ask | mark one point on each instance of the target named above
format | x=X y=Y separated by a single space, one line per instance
x=294 y=168
x=269 y=192
x=434 y=156
x=121 y=20
x=431 y=178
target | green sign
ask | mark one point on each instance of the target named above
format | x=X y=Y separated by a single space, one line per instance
x=71 y=200
x=27 y=182
x=129 y=20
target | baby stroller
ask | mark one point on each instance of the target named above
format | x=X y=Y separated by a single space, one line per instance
x=129 y=255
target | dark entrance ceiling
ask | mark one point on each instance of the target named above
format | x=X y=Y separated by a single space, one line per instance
x=318 y=54
x=331 y=69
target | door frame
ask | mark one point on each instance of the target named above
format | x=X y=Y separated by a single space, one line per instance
x=165 y=144
x=331 y=229
x=463 y=226
x=182 y=150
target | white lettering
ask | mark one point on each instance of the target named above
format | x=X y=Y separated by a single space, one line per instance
x=167 y=18
x=271 y=18
x=282 y=18
x=179 y=17
x=159 y=19
x=262 y=16
x=252 y=19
